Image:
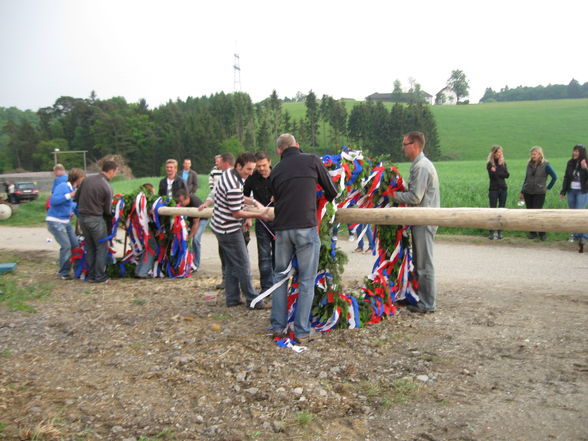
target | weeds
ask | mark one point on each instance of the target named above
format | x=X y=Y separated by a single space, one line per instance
x=304 y=418
x=16 y=297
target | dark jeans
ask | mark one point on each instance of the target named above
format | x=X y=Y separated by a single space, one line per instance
x=237 y=271
x=94 y=229
x=266 y=247
x=497 y=198
x=535 y=201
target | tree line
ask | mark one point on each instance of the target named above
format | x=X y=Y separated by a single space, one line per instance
x=200 y=128
x=550 y=92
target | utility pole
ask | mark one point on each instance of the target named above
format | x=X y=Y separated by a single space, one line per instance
x=236 y=74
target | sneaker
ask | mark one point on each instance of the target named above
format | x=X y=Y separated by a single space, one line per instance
x=107 y=280
x=499 y=235
x=358 y=250
x=66 y=277
x=220 y=286
x=351 y=237
x=259 y=306
x=491 y=235
x=571 y=239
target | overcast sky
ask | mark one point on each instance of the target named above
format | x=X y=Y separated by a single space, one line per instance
x=168 y=49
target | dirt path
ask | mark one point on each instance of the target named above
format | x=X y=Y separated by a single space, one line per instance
x=504 y=358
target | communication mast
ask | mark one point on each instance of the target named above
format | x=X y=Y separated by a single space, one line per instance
x=236 y=74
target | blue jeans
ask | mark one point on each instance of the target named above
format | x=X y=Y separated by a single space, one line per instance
x=305 y=245
x=197 y=241
x=578 y=200
x=237 y=271
x=94 y=229
x=369 y=235
x=147 y=259
x=65 y=236
x=265 y=254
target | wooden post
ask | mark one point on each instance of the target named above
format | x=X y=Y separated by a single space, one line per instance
x=563 y=221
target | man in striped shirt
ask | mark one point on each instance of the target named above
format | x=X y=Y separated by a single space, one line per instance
x=226 y=223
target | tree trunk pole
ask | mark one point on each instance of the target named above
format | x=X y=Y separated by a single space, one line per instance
x=549 y=220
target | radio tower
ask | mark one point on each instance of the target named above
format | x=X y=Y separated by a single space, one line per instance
x=236 y=74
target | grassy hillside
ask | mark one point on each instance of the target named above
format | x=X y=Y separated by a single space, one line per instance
x=468 y=132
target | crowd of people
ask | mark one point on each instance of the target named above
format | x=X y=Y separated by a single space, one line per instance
x=289 y=187
x=535 y=185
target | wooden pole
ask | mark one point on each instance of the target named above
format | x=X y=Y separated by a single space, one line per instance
x=563 y=221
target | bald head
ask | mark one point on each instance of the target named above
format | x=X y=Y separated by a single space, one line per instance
x=284 y=141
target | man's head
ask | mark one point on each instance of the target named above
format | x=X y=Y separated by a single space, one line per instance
x=413 y=144
x=182 y=197
x=245 y=164
x=187 y=164
x=285 y=141
x=217 y=161
x=171 y=168
x=109 y=169
x=58 y=170
x=227 y=161
x=263 y=164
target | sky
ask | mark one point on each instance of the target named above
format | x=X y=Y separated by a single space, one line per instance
x=162 y=50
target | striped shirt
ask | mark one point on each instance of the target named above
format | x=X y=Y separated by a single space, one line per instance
x=228 y=197
x=214 y=176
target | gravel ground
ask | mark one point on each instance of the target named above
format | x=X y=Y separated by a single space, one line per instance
x=503 y=358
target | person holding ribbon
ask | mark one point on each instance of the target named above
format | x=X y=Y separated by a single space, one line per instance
x=257 y=186
x=293 y=183
x=94 y=199
x=61 y=207
x=423 y=191
x=226 y=223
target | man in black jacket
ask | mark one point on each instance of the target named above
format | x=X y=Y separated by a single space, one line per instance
x=170 y=185
x=293 y=184
x=257 y=186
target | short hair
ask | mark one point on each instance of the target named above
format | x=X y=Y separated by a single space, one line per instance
x=75 y=174
x=228 y=158
x=187 y=159
x=108 y=166
x=416 y=136
x=150 y=188
x=285 y=140
x=539 y=150
x=218 y=156
x=245 y=158
x=58 y=167
x=181 y=192
x=261 y=155
x=172 y=161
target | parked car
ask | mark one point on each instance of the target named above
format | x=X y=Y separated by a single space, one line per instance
x=25 y=191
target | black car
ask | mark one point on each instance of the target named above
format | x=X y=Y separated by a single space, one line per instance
x=25 y=191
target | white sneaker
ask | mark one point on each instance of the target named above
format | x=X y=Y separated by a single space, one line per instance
x=351 y=237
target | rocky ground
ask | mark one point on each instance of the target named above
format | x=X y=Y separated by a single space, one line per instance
x=503 y=358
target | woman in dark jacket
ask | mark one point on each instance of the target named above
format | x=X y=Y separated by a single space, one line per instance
x=535 y=185
x=575 y=185
x=498 y=173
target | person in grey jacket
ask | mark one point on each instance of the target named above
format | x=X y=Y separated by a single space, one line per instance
x=423 y=191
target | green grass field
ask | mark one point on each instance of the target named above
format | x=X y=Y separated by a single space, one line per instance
x=467 y=132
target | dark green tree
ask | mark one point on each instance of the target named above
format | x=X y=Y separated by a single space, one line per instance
x=312 y=118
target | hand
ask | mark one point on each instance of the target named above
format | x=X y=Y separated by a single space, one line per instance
x=202 y=207
x=561 y=196
x=493 y=169
x=521 y=197
x=583 y=164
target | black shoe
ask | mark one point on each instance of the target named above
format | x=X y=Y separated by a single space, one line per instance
x=142 y=276
x=259 y=306
x=499 y=235
x=581 y=246
x=231 y=305
x=403 y=302
x=220 y=286
x=66 y=277
x=418 y=309
x=543 y=236
x=532 y=235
